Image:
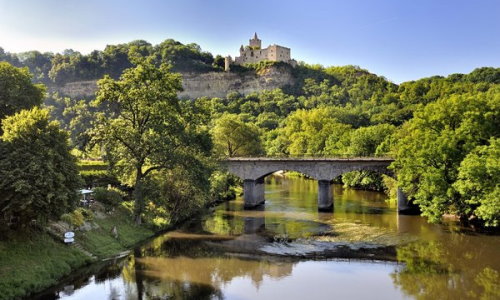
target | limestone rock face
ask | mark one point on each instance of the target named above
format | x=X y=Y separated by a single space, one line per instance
x=212 y=84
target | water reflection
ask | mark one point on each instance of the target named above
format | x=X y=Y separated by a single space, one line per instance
x=212 y=257
x=458 y=267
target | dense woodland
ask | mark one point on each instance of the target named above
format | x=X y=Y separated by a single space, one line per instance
x=442 y=131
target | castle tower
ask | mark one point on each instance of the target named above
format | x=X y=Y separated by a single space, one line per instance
x=255 y=42
x=227 y=63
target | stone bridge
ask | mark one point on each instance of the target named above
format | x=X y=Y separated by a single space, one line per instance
x=253 y=171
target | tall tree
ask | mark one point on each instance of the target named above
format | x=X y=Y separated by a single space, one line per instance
x=142 y=125
x=16 y=90
x=39 y=177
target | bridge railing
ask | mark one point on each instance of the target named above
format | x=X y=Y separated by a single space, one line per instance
x=307 y=156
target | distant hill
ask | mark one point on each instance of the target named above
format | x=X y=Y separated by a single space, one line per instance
x=75 y=75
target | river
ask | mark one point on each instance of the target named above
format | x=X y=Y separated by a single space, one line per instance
x=287 y=250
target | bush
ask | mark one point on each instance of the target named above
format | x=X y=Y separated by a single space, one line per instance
x=222 y=186
x=74 y=218
x=98 y=178
x=110 y=197
x=363 y=180
x=77 y=217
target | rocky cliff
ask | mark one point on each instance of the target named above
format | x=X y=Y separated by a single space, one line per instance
x=212 y=84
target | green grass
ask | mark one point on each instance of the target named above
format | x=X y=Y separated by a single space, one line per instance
x=102 y=243
x=32 y=261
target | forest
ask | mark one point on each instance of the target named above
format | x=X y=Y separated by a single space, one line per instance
x=443 y=132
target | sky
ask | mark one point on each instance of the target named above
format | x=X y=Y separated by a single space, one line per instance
x=399 y=39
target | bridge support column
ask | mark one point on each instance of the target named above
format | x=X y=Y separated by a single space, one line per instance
x=325 y=196
x=253 y=192
x=402 y=201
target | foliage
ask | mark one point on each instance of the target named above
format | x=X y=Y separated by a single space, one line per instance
x=75 y=116
x=478 y=182
x=96 y=173
x=110 y=197
x=98 y=178
x=16 y=90
x=363 y=180
x=233 y=137
x=78 y=217
x=222 y=186
x=39 y=175
x=327 y=111
x=434 y=143
x=184 y=58
x=92 y=165
x=365 y=141
x=143 y=127
x=175 y=194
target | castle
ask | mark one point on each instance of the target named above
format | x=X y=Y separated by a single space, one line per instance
x=254 y=53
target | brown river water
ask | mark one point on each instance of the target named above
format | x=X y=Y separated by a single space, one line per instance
x=288 y=250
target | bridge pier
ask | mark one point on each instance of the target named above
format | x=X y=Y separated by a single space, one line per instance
x=253 y=192
x=403 y=204
x=325 y=196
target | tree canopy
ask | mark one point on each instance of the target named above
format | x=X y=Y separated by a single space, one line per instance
x=39 y=175
x=233 y=137
x=17 y=92
x=142 y=125
x=432 y=146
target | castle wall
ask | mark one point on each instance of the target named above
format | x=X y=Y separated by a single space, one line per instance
x=252 y=56
x=278 y=53
x=255 y=55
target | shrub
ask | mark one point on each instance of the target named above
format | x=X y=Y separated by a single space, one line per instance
x=109 y=197
x=98 y=178
x=222 y=186
x=74 y=218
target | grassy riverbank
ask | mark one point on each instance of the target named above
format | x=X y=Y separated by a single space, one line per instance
x=32 y=261
x=102 y=243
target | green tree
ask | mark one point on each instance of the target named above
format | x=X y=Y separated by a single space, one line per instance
x=142 y=126
x=364 y=141
x=431 y=147
x=478 y=182
x=233 y=137
x=39 y=177
x=16 y=90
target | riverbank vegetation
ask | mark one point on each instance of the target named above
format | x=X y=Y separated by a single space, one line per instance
x=32 y=260
x=328 y=111
x=153 y=166
x=153 y=157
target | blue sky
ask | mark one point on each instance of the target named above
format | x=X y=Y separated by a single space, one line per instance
x=399 y=39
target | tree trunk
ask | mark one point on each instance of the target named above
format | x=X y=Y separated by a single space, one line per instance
x=139 y=197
